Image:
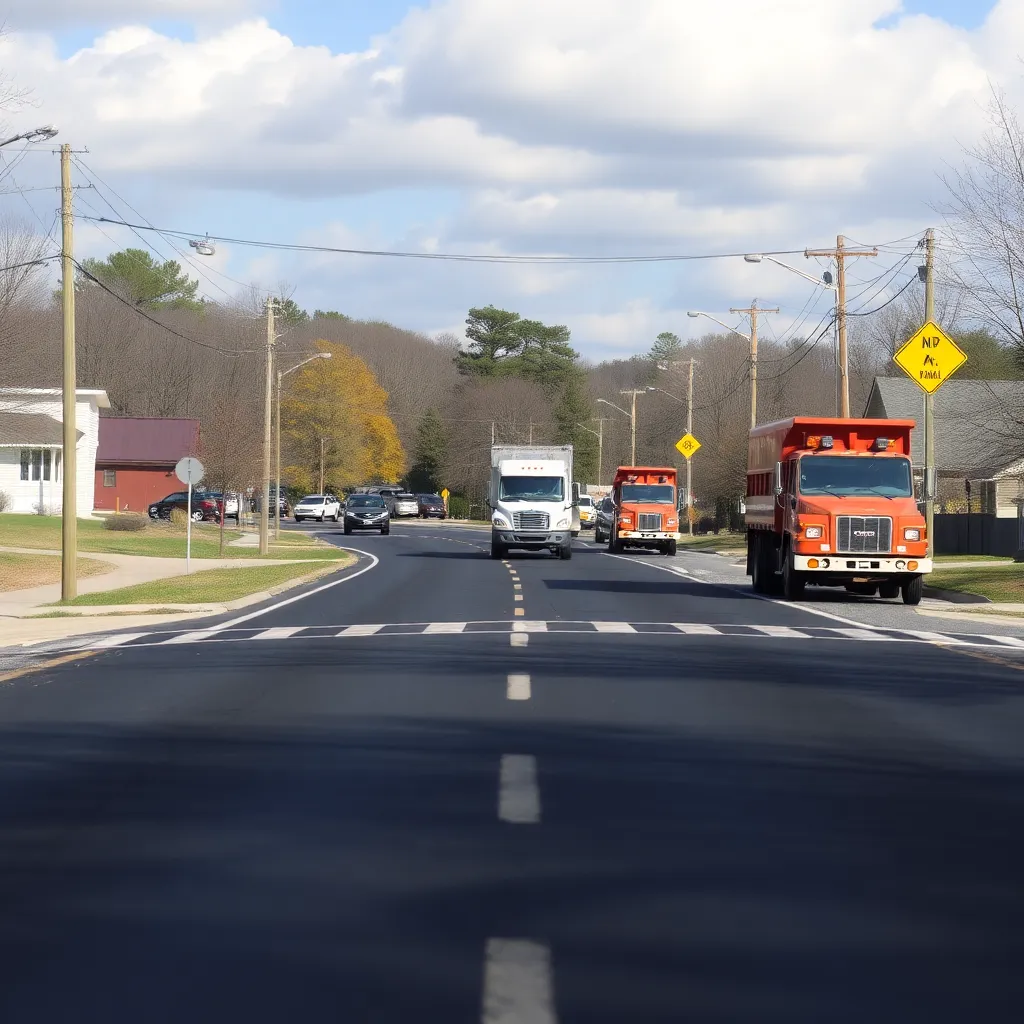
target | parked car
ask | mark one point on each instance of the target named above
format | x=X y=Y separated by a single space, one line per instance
x=432 y=507
x=204 y=506
x=405 y=505
x=588 y=512
x=367 y=512
x=256 y=502
x=604 y=520
x=232 y=503
x=319 y=507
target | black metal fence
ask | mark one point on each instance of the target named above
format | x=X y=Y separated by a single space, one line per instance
x=976 y=533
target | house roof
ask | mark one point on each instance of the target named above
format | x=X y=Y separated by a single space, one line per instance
x=30 y=430
x=979 y=424
x=146 y=441
x=102 y=401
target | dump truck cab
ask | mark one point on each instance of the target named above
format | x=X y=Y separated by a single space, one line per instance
x=830 y=502
x=646 y=512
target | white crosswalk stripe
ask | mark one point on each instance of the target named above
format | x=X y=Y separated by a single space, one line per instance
x=696 y=629
x=1009 y=641
x=278 y=633
x=859 y=634
x=613 y=627
x=360 y=630
x=529 y=627
x=193 y=637
x=782 y=631
x=445 y=627
x=933 y=638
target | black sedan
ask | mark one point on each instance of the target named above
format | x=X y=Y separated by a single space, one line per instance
x=432 y=506
x=204 y=506
x=367 y=512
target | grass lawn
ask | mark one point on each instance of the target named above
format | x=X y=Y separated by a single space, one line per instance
x=730 y=543
x=218 y=585
x=996 y=582
x=940 y=559
x=19 y=572
x=158 y=539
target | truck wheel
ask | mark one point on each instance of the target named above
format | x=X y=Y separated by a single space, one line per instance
x=762 y=571
x=614 y=544
x=669 y=548
x=889 y=589
x=565 y=551
x=913 y=590
x=793 y=581
x=348 y=530
x=498 y=550
x=598 y=536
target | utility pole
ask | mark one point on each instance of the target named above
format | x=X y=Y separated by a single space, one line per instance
x=752 y=313
x=841 y=254
x=321 y=491
x=929 y=399
x=69 y=504
x=265 y=504
x=689 y=461
x=277 y=457
x=632 y=423
x=600 y=448
x=492 y=433
x=531 y=432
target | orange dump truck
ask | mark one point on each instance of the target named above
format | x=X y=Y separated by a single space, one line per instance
x=644 y=512
x=831 y=502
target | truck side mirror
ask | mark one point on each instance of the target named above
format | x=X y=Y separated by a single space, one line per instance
x=778 y=478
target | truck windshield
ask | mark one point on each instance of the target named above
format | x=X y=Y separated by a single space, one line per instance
x=657 y=494
x=532 y=488
x=844 y=474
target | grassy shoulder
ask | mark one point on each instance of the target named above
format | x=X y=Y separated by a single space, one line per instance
x=20 y=572
x=210 y=585
x=727 y=543
x=999 y=582
x=158 y=540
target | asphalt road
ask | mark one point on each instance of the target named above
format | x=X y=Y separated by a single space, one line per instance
x=649 y=797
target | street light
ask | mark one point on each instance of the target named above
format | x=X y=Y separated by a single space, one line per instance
x=281 y=374
x=631 y=417
x=600 y=445
x=689 y=430
x=699 y=312
x=43 y=134
x=825 y=281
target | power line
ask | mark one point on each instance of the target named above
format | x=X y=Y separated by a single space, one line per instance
x=453 y=257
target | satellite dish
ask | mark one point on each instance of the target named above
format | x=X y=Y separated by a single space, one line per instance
x=827 y=277
x=203 y=246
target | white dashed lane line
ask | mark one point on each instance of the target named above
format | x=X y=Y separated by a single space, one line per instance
x=518 y=987
x=518 y=795
x=518 y=686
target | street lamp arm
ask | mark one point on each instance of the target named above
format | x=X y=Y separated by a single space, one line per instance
x=604 y=401
x=319 y=355
x=720 y=323
x=589 y=431
x=757 y=258
x=43 y=134
x=662 y=391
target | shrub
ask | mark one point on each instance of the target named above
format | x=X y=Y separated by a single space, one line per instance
x=458 y=506
x=179 y=517
x=5 y=501
x=126 y=522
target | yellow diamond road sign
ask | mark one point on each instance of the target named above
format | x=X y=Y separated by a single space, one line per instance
x=930 y=358
x=687 y=445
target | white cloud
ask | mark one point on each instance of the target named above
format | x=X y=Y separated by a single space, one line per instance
x=580 y=126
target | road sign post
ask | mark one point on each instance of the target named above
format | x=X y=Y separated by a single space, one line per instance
x=190 y=471
x=687 y=446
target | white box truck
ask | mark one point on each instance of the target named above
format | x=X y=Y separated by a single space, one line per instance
x=531 y=499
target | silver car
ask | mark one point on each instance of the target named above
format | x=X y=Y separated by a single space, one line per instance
x=319 y=507
x=406 y=505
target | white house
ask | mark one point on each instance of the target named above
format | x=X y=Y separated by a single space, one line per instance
x=31 y=447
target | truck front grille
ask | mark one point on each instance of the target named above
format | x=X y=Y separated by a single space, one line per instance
x=530 y=520
x=864 y=533
x=649 y=521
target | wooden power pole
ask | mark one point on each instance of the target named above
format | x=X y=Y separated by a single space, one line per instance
x=840 y=254
x=69 y=503
x=689 y=430
x=929 y=399
x=752 y=313
x=267 y=407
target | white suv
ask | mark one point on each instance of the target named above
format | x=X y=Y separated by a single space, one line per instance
x=319 y=507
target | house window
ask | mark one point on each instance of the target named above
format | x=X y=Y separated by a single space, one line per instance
x=110 y=478
x=39 y=464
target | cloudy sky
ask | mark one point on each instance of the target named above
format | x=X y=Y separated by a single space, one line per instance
x=582 y=127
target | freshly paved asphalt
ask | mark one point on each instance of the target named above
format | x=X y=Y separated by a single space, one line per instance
x=766 y=829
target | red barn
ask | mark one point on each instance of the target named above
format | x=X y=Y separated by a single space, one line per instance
x=136 y=457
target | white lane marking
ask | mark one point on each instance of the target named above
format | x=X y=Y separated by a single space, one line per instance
x=613 y=627
x=519 y=611
x=518 y=795
x=192 y=638
x=279 y=633
x=529 y=627
x=1010 y=641
x=517 y=597
x=860 y=634
x=445 y=627
x=517 y=586
x=519 y=639
x=517 y=983
x=114 y=641
x=374 y=562
x=782 y=631
x=360 y=630
x=696 y=629
x=935 y=638
x=518 y=686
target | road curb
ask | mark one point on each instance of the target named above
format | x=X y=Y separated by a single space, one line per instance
x=956 y=596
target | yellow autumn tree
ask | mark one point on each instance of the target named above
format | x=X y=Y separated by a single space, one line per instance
x=334 y=410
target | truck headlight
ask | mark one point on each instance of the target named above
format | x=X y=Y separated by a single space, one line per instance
x=813 y=532
x=497 y=519
x=912 y=533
